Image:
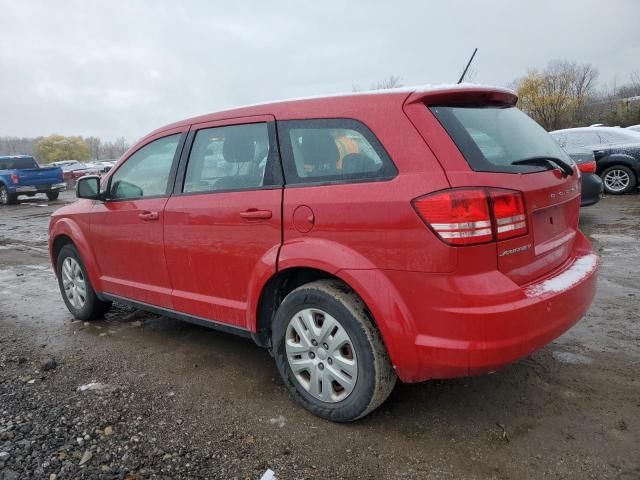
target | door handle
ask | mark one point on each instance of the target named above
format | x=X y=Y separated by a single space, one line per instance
x=147 y=215
x=255 y=214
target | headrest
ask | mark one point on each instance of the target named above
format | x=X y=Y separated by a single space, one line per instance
x=239 y=146
x=319 y=148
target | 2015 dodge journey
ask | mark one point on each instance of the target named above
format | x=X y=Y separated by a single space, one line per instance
x=412 y=234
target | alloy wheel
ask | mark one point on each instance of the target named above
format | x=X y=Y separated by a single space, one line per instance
x=617 y=180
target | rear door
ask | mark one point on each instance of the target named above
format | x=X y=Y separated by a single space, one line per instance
x=477 y=144
x=223 y=223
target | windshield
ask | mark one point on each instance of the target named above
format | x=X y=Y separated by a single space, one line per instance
x=492 y=138
x=17 y=163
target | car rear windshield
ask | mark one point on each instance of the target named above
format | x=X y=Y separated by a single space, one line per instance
x=491 y=138
x=17 y=163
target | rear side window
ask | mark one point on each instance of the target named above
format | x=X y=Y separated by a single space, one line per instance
x=332 y=151
x=491 y=138
x=234 y=157
x=17 y=163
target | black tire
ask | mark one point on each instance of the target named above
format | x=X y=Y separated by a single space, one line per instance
x=93 y=308
x=622 y=170
x=375 y=374
x=7 y=198
x=53 y=195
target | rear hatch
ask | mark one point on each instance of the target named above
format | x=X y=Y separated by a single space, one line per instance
x=490 y=148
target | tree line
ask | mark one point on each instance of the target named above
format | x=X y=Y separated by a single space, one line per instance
x=59 y=147
x=566 y=94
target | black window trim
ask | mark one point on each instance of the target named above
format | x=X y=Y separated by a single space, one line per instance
x=291 y=178
x=172 y=170
x=274 y=156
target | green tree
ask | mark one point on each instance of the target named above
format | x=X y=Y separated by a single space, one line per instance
x=58 y=147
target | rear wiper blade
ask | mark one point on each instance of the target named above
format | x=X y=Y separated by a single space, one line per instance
x=564 y=166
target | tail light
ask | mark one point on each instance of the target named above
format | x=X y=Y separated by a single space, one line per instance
x=589 y=167
x=14 y=178
x=470 y=216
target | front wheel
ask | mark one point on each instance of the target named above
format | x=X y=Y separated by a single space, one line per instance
x=618 y=179
x=7 y=198
x=75 y=287
x=329 y=353
x=53 y=195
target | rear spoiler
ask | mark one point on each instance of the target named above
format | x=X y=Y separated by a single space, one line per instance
x=462 y=95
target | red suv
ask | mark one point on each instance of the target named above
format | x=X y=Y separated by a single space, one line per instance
x=419 y=234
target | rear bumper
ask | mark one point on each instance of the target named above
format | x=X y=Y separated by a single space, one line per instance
x=459 y=325
x=56 y=187
x=592 y=188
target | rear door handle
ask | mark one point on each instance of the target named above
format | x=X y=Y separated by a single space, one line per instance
x=255 y=214
x=147 y=215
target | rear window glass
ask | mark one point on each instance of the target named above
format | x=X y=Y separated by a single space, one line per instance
x=332 y=150
x=492 y=138
x=17 y=163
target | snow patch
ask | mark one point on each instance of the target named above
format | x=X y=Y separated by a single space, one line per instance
x=581 y=268
x=409 y=89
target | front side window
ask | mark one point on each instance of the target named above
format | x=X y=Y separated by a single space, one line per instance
x=614 y=137
x=145 y=173
x=582 y=138
x=332 y=150
x=234 y=157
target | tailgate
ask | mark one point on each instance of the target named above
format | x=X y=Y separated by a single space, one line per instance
x=39 y=176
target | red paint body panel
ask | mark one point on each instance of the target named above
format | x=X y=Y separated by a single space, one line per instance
x=213 y=253
x=129 y=251
x=443 y=311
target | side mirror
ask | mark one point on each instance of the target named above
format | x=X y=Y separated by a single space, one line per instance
x=89 y=187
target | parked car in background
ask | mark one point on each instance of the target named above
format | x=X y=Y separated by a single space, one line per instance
x=73 y=171
x=635 y=128
x=21 y=175
x=591 y=183
x=65 y=163
x=290 y=239
x=616 y=150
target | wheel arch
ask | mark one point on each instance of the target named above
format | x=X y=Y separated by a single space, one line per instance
x=383 y=304
x=278 y=286
x=67 y=232
x=618 y=159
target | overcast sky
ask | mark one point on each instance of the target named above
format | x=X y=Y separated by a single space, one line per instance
x=115 y=69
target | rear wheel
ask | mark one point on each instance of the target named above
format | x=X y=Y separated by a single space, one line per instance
x=75 y=287
x=7 y=198
x=619 y=179
x=329 y=354
x=53 y=195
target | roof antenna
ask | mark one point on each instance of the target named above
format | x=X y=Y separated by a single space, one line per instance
x=468 y=63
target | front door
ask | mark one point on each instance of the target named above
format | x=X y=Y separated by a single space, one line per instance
x=127 y=229
x=223 y=224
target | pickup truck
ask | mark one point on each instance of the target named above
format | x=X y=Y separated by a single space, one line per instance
x=21 y=175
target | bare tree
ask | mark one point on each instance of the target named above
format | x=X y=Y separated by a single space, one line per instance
x=392 y=81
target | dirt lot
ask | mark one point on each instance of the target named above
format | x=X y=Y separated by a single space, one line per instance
x=180 y=401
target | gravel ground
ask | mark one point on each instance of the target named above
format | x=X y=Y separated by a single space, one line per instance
x=172 y=400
